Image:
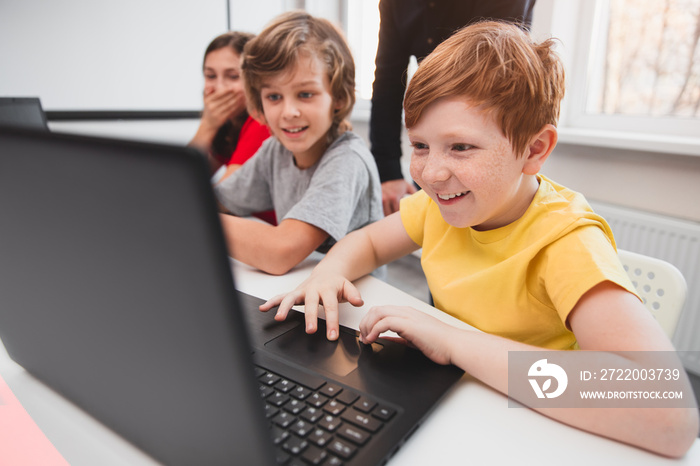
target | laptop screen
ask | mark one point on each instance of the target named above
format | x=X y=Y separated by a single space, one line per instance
x=116 y=291
x=22 y=112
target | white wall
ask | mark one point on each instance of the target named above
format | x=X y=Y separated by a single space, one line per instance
x=118 y=55
x=651 y=181
x=106 y=54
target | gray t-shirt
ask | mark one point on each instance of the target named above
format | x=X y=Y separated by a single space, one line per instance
x=339 y=194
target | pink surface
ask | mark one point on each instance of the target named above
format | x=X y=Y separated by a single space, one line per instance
x=21 y=440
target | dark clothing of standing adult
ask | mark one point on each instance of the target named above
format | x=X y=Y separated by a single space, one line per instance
x=414 y=28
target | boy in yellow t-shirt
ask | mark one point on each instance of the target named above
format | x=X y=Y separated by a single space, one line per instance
x=505 y=249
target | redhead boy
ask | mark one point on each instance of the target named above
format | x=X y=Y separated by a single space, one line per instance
x=318 y=176
x=505 y=249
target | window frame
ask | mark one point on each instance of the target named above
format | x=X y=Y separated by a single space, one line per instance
x=573 y=23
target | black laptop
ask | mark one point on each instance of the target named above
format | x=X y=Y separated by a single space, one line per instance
x=22 y=112
x=116 y=290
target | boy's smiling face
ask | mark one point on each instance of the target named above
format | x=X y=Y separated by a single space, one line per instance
x=298 y=108
x=467 y=166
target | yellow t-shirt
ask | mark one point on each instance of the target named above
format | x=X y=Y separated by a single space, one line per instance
x=522 y=280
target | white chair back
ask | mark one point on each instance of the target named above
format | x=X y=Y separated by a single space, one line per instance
x=661 y=286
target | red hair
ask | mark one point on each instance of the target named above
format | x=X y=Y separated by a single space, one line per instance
x=498 y=67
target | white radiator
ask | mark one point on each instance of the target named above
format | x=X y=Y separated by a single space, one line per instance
x=675 y=241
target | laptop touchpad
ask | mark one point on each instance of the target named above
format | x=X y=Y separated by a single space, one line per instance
x=338 y=357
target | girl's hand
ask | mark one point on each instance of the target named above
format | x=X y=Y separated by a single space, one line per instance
x=418 y=329
x=221 y=105
x=328 y=290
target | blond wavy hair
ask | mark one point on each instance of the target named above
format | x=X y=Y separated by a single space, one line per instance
x=279 y=46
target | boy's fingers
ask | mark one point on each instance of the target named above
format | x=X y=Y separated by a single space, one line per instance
x=285 y=303
x=352 y=294
x=270 y=303
x=367 y=324
x=330 y=306
x=378 y=320
x=311 y=302
x=311 y=312
x=371 y=332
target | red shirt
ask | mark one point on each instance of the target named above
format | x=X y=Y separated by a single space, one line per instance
x=251 y=137
x=249 y=141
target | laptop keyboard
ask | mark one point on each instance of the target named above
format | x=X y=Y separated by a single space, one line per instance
x=316 y=422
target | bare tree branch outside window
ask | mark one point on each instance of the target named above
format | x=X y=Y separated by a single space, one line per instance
x=652 y=62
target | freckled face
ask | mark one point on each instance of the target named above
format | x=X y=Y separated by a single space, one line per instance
x=467 y=166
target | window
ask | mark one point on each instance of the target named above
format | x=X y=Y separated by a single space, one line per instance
x=649 y=60
x=363 y=35
x=633 y=68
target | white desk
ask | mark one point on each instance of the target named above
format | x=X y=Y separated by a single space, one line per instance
x=472 y=425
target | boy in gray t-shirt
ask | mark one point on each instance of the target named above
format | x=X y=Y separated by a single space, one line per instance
x=339 y=194
x=319 y=178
